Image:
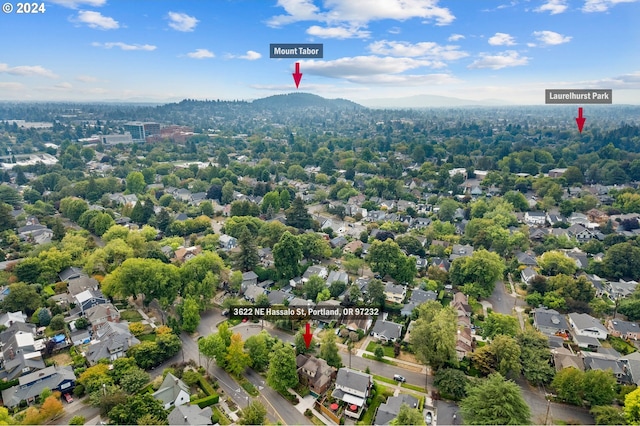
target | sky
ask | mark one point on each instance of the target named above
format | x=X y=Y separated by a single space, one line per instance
x=164 y=50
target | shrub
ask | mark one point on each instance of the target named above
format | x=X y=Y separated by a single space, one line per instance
x=77 y=420
x=207 y=401
x=78 y=391
x=308 y=413
x=190 y=378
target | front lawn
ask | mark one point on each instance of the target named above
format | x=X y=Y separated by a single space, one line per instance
x=130 y=315
x=384 y=360
x=388 y=350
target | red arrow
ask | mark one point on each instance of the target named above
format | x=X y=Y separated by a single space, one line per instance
x=308 y=336
x=580 y=120
x=297 y=76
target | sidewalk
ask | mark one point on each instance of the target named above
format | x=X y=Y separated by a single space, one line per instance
x=233 y=416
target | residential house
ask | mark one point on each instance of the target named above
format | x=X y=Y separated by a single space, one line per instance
x=556 y=173
x=318 y=270
x=227 y=242
x=464 y=342
x=353 y=387
x=418 y=297
x=184 y=254
x=420 y=223
x=631 y=365
x=460 y=251
x=394 y=293
x=113 y=340
x=71 y=273
x=353 y=246
x=36 y=234
x=266 y=256
x=89 y=298
x=249 y=278
x=173 y=392
x=386 y=331
x=190 y=415
x=624 y=329
x=337 y=276
x=81 y=284
x=252 y=292
x=580 y=233
x=440 y=263
x=389 y=410
x=339 y=241
x=277 y=297
x=595 y=361
x=550 y=322
x=527 y=274
x=526 y=259
x=554 y=219
x=586 y=325
x=20 y=354
x=315 y=372
x=98 y=315
x=80 y=337
x=598 y=284
x=620 y=289
x=564 y=358
x=30 y=386
x=535 y=218
x=12 y=317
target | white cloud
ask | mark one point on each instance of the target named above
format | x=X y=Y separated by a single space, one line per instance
x=551 y=38
x=337 y=32
x=27 y=71
x=356 y=68
x=251 y=55
x=361 y=12
x=74 y=4
x=201 y=54
x=510 y=58
x=86 y=79
x=63 y=86
x=125 y=46
x=182 y=22
x=602 y=5
x=554 y=7
x=425 y=49
x=502 y=39
x=455 y=37
x=7 y=85
x=394 y=30
x=97 y=20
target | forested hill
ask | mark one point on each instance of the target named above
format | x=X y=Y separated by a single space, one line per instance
x=303 y=101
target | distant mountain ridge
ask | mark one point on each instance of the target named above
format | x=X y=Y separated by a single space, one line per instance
x=303 y=100
x=428 y=101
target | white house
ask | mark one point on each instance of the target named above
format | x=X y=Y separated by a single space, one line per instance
x=535 y=218
x=586 y=325
x=353 y=387
x=172 y=392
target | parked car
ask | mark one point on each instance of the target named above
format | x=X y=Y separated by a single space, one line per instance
x=428 y=418
x=399 y=378
x=68 y=398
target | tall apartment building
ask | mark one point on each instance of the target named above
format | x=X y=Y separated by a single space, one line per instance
x=139 y=130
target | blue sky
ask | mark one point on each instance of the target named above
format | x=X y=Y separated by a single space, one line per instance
x=144 y=50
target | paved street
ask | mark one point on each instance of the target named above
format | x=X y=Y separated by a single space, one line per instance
x=502 y=301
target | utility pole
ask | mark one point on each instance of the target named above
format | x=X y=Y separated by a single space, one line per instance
x=546 y=417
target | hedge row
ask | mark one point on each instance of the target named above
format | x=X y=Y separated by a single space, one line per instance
x=207 y=401
x=9 y=384
x=205 y=385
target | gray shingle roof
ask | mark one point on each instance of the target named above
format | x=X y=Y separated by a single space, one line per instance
x=390 y=409
x=353 y=379
x=388 y=329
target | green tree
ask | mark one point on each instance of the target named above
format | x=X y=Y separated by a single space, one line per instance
x=434 y=335
x=452 y=382
x=282 y=373
x=237 y=359
x=314 y=247
x=329 y=350
x=215 y=346
x=608 y=415
x=495 y=401
x=75 y=420
x=247 y=257
x=136 y=183
x=500 y=324
x=301 y=346
x=134 y=380
x=448 y=208
x=408 y=416
x=137 y=407
x=599 y=387
x=535 y=357
x=632 y=407
x=253 y=414
x=379 y=352
x=258 y=347
x=478 y=272
x=57 y=323
x=622 y=261
x=313 y=287
x=285 y=199
x=190 y=315
x=375 y=292
x=298 y=216
x=287 y=254
x=227 y=193
x=568 y=384
x=7 y=221
x=21 y=297
x=556 y=262
x=270 y=199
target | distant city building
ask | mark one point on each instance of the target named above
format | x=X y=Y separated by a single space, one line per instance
x=116 y=139
x=140 y=131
